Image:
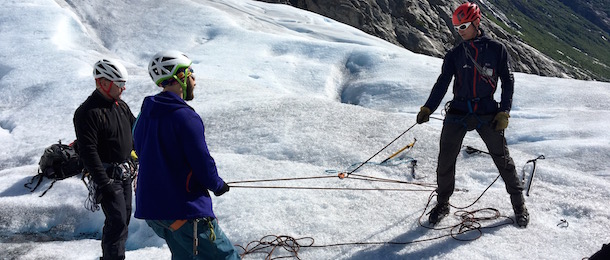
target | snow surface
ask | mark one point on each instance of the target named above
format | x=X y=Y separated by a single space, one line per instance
x=285 y=93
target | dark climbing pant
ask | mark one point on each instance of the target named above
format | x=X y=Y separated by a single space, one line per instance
x=452 y=135
x=117 y=209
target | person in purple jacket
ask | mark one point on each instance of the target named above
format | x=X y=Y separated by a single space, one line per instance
x=474 y=65
x=176 y=169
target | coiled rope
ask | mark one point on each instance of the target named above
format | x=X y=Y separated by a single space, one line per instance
x=471 y=222
x=469 y=228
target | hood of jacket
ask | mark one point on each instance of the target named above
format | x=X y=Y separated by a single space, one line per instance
x=162 y=104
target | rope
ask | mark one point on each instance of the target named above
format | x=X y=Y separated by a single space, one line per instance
x=390 y=161
x=236 y=184
x=470 y=222
x=282 y=179
x=326 y=188
x=403 y=133
x=469 y=219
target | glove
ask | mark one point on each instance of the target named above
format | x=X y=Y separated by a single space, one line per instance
x=501 y=121
x=423 y=115
x=222 y=190
x=134 y=156
x=105 y=191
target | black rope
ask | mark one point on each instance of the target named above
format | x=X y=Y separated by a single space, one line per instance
x=363 y=163
x=272 y=243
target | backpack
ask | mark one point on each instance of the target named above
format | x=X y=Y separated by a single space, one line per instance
x=58 y=162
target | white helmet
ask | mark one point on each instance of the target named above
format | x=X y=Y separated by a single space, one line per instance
x=110 y=69
x=165 y=64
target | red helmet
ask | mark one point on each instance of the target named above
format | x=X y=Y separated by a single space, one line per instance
x=467 y=12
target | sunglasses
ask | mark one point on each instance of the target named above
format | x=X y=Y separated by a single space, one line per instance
x=120 y=84
x=188 y=72
x=462 y=27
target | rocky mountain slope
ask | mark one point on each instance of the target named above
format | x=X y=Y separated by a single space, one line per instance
x=559 y=38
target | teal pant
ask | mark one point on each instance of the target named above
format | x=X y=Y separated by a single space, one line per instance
x=211 y=245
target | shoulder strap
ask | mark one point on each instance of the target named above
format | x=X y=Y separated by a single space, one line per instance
x=479 y=68
x=51 y=186
x=39 y=175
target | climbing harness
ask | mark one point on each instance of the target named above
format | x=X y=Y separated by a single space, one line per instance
x=463 y=118
x=211 y=237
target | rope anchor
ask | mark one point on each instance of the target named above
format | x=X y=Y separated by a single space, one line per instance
x=395 y=159
x=369 y=159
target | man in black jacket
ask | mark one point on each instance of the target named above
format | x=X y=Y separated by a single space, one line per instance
x=475 y=66
x=103 y=130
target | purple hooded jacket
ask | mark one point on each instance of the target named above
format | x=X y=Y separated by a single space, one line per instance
x=176 y=169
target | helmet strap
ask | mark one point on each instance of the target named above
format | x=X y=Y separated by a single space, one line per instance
x=107 y=91
x=477 y=23
x=182 y=84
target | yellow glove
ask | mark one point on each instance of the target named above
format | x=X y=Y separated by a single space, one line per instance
x=423 y=115
x=501 y=121
x=134 y=156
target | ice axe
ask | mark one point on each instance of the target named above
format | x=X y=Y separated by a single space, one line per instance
x=408 y=146
x=529 y=183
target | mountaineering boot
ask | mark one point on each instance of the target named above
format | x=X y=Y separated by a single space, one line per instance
x=438 y=212
x=522 y=216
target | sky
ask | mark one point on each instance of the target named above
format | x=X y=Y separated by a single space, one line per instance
x=288 y=94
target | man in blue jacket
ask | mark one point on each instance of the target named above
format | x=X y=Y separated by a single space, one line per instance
x=176 y=169
x=475 y=66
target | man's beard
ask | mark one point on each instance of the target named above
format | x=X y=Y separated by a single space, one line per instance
x=189 y=91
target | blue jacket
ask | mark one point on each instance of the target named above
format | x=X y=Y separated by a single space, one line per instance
x=473 y=92
x=176 y=169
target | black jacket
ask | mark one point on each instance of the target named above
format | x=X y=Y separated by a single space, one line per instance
x=103 y=134
x=469 y=85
